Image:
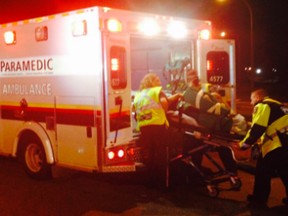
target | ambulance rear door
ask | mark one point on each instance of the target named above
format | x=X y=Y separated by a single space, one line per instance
x=117 y=89
x=216 y=65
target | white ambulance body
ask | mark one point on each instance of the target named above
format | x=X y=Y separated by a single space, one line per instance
x=67 y=80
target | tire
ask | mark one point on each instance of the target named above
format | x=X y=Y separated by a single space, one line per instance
x=33 y=158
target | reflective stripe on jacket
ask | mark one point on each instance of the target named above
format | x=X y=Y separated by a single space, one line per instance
x=149 y=110
x=267 y=119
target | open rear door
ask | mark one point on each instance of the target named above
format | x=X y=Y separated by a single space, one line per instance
x=216 y=65
x=118 y=88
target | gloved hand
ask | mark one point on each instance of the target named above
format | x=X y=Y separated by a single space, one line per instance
x=245 y=146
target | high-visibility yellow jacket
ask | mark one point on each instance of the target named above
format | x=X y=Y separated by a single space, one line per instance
x=268 y=118
x=149 y=110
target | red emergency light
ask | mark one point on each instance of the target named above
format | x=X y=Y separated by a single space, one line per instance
x=209 y=65
x=115 y=64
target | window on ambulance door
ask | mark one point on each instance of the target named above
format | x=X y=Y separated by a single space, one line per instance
x=118 y=70
x=218 y=67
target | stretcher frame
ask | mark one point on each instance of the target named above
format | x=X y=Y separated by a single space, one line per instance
x=210 y=141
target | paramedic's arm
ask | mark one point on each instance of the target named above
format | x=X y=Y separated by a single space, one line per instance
x=252 y=136
x=164 y=101
x=174 y=98
x=259 y=125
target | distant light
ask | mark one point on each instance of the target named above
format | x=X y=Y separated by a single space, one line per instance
x=248 y=68
x=258 y=71
x=177 y=29
x=223 y=34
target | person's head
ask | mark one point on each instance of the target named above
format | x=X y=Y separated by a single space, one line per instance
x=193 y=79
x=150 y=80
x=257 y=96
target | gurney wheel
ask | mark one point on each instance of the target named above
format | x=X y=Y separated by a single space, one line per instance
x=236 y=183
x=212 y=191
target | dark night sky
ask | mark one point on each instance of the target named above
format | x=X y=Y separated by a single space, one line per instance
x=270 y=20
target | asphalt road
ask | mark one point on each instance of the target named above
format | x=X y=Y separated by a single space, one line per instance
x=85 y=194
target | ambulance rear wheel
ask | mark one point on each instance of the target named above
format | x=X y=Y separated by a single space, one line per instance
x=33 y=158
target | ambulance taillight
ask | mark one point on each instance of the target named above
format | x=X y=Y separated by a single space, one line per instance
x=115 y=64
x=10 y=37
x=118 y=70
x=115 y=155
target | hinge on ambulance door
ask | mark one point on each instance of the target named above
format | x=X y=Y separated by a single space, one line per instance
x=50 y=123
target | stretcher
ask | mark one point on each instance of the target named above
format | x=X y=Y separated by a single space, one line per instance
x=207 y=141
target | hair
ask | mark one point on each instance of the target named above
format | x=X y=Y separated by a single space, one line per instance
x=150 y=80
x=261 y=93
x=192 y=78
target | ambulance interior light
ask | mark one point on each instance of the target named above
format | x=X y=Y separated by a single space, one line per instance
x=10 y=37
x=177 y=29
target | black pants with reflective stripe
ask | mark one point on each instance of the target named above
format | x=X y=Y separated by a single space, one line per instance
x=275 y=161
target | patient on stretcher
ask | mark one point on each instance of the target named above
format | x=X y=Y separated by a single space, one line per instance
x=208 y=111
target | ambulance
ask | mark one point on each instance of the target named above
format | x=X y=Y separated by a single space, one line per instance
x=67 y=82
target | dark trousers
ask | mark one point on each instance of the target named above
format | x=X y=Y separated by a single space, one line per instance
x=274 y=161
x=154 y=139
x=227 y=159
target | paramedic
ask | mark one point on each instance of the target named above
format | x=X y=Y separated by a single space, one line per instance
x=195 y=96
x=270 y=127
x=151 y=105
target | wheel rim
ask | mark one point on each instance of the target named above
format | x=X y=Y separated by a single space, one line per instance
x=34 y=157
